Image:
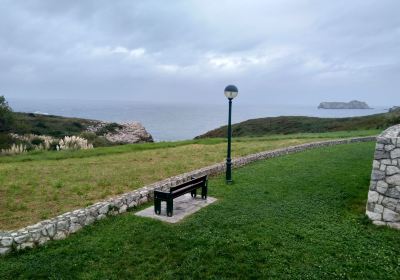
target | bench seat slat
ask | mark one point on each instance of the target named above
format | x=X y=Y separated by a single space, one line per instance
x=200 y=179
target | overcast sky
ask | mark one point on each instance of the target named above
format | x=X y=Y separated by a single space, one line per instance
x=294 y=52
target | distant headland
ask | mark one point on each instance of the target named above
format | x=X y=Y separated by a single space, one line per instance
x=354 y=104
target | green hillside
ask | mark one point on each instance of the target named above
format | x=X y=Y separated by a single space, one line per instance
x=300 y=124
x=56 y=126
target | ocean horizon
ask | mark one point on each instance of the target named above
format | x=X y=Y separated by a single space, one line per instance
x=177 y=121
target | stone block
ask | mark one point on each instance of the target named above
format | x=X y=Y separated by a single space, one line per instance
x=381 y=155
x=374 y=216
x=393 y=192
x=62 y=225
x=379 y=223
x=43 y=240
x=59 y=235
x=377 y=175
x=89 y=220
x=388 y=148
x=35 y=235
x=132 y=204
x=371 y=206
x=390 y=216
x=395 y=153
x=51 y=229
x=389 y=202
x=5 y=250
x=101 y=216
x=379 y=146
x=123 y=209
x=6 y=241
x=74 y=227
x=21 y=238
x=393 y=180
x=393 y=225
x=104 y=209
x=381 y=187
x=378 y=209
x=372 y=185
x=373 y=196
x=383 y=140
x=26 y=245
x=142 y=200
x=391 y=170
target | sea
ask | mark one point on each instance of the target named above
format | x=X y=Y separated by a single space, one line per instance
x=175 y=121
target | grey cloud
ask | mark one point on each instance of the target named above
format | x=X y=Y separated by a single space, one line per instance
x=276 y=51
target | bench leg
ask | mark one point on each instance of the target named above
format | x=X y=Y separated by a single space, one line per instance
x=157 y=206
x=194 y=193
x=204 y=192
x=170 y=206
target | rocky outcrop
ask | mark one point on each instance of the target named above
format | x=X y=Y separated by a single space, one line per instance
x=394 y=109
x=133 y=132
x=343 y=105
x=126 y=133
x=383 y=205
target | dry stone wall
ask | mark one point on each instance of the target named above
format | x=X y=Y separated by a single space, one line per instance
x=383 y=206
x=68 y=223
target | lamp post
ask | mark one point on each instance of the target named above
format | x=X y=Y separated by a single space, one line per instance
x=230 y=92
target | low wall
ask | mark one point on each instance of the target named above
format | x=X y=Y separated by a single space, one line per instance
x=63 y=225
x=383 y=206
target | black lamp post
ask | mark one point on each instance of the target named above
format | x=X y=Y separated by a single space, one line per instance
x=230 y=92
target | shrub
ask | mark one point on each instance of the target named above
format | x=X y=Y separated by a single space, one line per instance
x=90 y=136
x=74 y=143
x=5 y=141
x=15 y=149
x=41 y=125
x=37 y=141
x=77 y=124
x=101 y=141
x=108 y=128
x=6 y=115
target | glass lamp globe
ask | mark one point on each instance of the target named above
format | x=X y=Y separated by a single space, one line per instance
x=231 y=92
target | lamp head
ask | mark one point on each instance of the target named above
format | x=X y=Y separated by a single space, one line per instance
x=231 y=92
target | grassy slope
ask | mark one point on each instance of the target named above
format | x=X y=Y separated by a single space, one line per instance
x=37 y=186
x=309 y=225
x=293 y=124
x=49 y=125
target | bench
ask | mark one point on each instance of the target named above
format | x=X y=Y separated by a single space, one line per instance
x=184 y=188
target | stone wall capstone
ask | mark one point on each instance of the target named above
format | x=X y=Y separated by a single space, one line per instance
x=68 y=223
x=383 y=205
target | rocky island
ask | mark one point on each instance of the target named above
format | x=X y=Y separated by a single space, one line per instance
x=355 y=104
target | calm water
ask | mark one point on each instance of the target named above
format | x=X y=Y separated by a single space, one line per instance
x=168 y=122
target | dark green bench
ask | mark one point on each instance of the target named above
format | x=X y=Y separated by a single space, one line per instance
x=174 y=192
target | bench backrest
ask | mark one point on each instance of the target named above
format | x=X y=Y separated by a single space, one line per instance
x=195 y=181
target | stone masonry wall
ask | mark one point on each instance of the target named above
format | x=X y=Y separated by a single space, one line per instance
x=63 y=225
x=383 y=206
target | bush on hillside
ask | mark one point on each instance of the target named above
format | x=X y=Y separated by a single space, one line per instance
x=6 y=116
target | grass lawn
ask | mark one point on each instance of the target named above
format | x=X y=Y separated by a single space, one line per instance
x=42 y=185
x=299 y=216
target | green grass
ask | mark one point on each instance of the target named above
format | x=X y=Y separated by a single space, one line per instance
x=102 y=151
x=295 y=217
x=42 y=185
x=300 y=124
